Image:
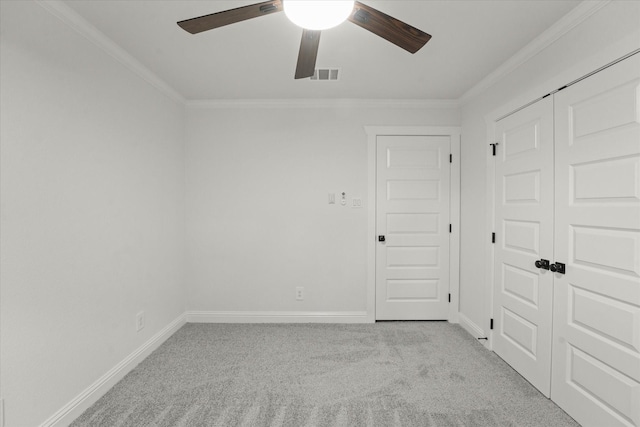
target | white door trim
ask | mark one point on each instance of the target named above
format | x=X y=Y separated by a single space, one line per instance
x=490 y=209
x=454 y=250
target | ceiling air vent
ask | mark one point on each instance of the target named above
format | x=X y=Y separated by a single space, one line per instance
x=325 y=74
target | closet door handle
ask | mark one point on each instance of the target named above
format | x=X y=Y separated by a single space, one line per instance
x=542 y=263
x=558 y=267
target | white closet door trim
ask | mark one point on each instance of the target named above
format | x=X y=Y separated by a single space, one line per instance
x=454 y=251
x=490 y=209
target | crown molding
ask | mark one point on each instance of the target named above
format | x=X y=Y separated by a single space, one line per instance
x=322 y=103
x=571 y=20
x=72 y=19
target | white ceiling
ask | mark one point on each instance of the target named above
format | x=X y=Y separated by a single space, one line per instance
x=256 y=59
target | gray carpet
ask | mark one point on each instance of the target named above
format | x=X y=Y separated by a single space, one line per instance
x=383 y=374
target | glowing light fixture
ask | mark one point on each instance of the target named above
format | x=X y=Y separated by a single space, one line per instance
x=317 y=14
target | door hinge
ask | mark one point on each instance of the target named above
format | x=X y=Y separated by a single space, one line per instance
x=491 y=324
x=449 y=297
x=493 y=237
x=493 y=147
x=450 y=158
x=449 y=228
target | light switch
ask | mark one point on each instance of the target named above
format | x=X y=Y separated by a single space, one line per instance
x=332 y=198
x=356 y=203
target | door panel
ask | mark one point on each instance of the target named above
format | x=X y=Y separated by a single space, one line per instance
x=412 y=264
x=522 y=188
x=596 y=357
x=524 y=234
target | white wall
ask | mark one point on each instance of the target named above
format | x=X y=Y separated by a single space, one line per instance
x=258 y=219
x=93 y=197
x=609 y=34
x=92 y=190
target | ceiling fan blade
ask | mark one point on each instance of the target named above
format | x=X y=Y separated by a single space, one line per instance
x=397 y=32
x=308 y=54
x=231 y=16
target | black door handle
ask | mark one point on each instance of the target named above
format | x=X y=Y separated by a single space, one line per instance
x=558 y=267
x=542 y=263
x=381 y=238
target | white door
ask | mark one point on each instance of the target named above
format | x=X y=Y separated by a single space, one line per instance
x=596 y=356
x=412 y=224
x=523 y=235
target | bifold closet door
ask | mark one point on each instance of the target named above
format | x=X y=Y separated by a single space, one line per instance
x=596 y=347
x=524 y=234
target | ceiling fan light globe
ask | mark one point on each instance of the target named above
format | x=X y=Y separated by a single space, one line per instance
x=318 y=14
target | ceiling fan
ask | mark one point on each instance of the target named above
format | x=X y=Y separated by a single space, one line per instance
x=397 y=32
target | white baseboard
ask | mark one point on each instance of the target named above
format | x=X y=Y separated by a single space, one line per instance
x=95 y=391
x=473 y=329
x=277 y=317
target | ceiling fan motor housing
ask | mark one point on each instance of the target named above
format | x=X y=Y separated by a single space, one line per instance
x=318 y=14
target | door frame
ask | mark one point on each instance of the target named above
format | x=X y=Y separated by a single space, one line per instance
x=454 y=243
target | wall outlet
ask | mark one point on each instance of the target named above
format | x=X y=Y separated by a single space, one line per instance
x=299 y=293
x=140 y=321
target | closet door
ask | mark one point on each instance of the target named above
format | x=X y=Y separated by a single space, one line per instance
x=596 y=348
x=524 y=235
